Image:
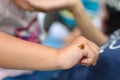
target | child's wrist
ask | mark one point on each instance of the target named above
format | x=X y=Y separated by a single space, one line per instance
x=77 y=8
x=61 y=59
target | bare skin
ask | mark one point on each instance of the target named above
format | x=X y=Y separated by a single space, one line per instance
x=19 y=54
x=25 y=55
x=73 y=35
x=76 y=7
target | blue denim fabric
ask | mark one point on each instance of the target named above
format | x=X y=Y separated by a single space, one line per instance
x=37 y=75
x=107 y=68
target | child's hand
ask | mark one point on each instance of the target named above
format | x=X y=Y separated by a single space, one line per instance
x=73 y=54
x=45 y=5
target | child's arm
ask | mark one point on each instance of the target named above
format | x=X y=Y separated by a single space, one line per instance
x=73 y=35
x=19 y=54
x=83 y=20
x=16 y=53
x=86 y=26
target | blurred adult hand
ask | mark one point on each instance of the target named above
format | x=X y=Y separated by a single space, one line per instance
x=45 y=5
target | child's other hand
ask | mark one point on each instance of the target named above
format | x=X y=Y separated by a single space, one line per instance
x=45 y=5
x=72 y=54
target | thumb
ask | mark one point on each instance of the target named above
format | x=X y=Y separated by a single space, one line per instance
x=87 y=61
